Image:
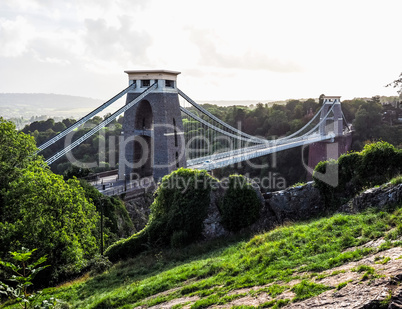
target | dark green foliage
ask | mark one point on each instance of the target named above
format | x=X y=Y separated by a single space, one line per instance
x=100 y=145
x=376 y=164
x=327 y=190
x=99 y=264
x=177 y=214
x=40 y=210
x=16 y=153
x=116 y=220
x=179 y=239
x=240 y=206
x=75 y=171
x=379 y=162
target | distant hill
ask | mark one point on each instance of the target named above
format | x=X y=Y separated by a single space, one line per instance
x=26 y=105
x=240 y=102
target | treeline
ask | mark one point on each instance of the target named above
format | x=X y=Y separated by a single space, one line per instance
x=98 y=153
x=372 y=121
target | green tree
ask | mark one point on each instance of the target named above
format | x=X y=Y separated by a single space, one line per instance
x=240 y=206
x=177 y=214
x=278 y=122
x=17 y=152
x=40 y=210
x=43 y=211
x=368 y=118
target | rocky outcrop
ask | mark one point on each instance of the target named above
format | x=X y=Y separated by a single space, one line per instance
x=295 y=203
x=375 y=295
x=292 y=204
x=212 y=224
x=383 y=291
x=386 y=195
x=138 y=207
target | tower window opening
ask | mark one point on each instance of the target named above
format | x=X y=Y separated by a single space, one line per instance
x=169 y=83
x=175 y=133
x=145 y=83
x=177 y=159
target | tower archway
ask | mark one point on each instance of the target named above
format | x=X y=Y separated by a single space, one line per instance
x=144 y=117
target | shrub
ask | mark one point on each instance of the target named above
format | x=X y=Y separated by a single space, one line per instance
x=374 y=165
x=240 y=206
x=179 y=239
x=379 y=163
x=99 y=264
x=177 y=214
x=396 y=180
x=24 y=272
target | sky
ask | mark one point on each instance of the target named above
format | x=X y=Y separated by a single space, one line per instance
x=225 y=50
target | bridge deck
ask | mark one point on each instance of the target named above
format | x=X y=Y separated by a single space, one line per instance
x=229 y=158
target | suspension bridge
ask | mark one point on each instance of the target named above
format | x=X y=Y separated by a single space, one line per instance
x=164 y=129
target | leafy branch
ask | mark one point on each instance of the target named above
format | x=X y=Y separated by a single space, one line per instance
x=24 y=273
x=396 y=83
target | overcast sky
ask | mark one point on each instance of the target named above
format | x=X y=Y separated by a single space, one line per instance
x=225 y=50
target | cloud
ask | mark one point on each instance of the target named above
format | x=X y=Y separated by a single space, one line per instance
x=109 y=42
x=15 y=36
x=211 y=54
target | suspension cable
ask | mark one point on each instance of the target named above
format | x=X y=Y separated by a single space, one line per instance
x=85 y=118
x=102 y=124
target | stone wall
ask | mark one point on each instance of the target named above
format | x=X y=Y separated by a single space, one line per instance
x=384 y=196
x=291 y=204
x=297 y=204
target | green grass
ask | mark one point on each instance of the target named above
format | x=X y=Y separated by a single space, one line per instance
x=307 y=289
x=212 y=270
x=396 y=180
x=369 y=272
x=381 y=260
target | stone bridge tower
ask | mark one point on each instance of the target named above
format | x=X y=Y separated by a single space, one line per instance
x=333 y=148
x=152 y=141
x=334 y=121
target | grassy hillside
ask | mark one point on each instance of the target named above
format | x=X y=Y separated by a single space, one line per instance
x=285 y=265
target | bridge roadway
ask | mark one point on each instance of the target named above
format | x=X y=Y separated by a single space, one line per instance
x=231 y=157
x=111 y=185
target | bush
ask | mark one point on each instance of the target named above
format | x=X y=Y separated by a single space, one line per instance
x=374 y=165
x=177 y=214
x=240 y=206
x=179 y=239
x=380 y=162
x=99 y=264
